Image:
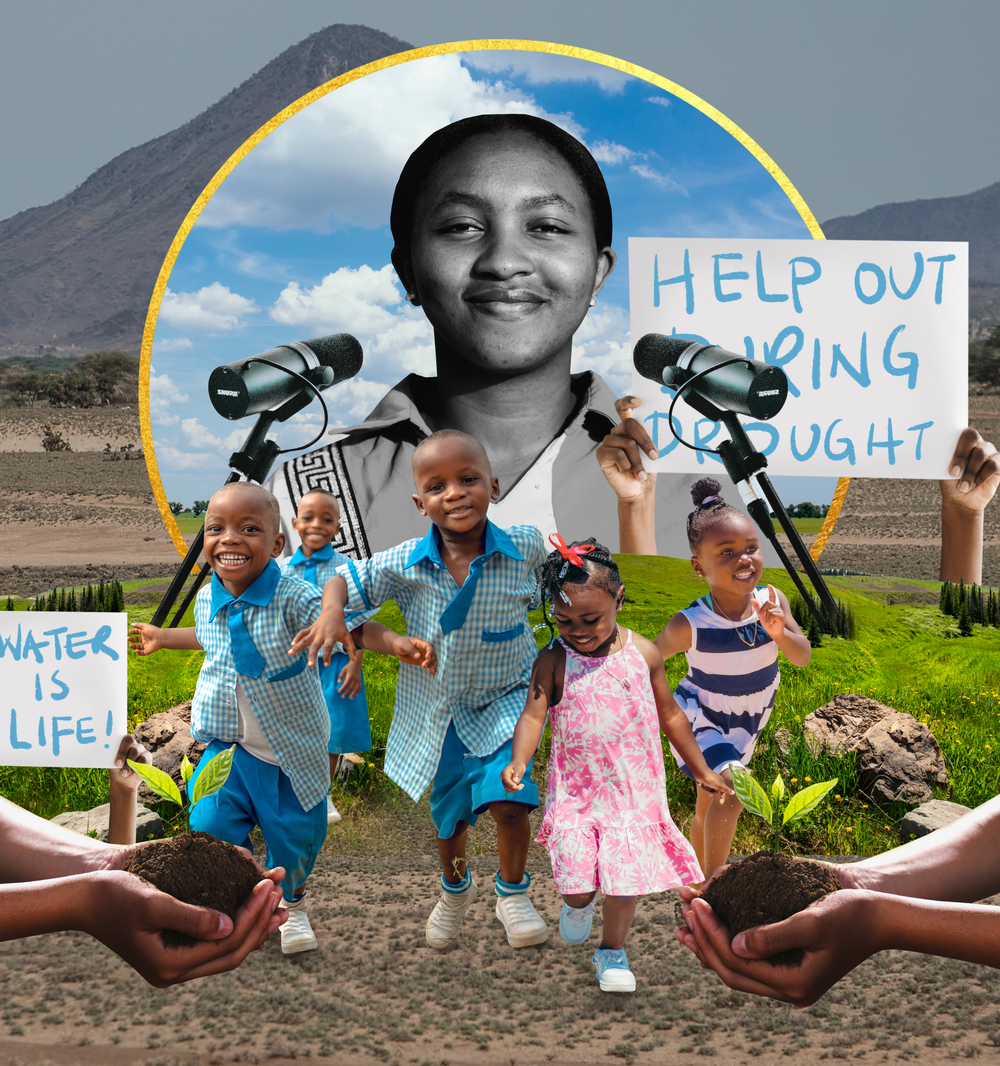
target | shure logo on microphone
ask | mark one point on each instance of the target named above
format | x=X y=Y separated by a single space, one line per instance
x=230 y=392
x=766 y=392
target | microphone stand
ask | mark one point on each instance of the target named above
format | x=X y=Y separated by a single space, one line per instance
x=251 y=463
x=745 y=467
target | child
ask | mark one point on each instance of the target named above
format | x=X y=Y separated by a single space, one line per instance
x=607 y=825
x=465 y=587
x=731 y=638
x=317 y=523
x=248 y=693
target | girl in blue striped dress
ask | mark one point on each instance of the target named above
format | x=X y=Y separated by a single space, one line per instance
x=731 y=639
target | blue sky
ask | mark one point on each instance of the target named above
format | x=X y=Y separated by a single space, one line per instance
x=296 y=244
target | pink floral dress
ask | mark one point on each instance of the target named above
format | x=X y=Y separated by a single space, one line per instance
x=607 y=825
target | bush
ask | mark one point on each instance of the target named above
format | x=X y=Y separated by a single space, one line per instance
x=53 y=441
x=176 y=508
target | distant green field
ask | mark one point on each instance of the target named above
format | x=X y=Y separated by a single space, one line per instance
x=907 y=654
x=808 y=525
x=189 y=524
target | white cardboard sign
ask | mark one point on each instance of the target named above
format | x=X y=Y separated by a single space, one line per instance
x=65 y=688
x=872 y=335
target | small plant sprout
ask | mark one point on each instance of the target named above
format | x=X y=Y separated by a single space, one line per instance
x=212 y=777
x=756 y=800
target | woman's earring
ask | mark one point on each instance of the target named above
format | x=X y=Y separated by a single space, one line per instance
x=593 y=301
x=411 y=298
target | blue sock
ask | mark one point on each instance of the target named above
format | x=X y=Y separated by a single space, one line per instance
x=504 y=888
x=461 y=886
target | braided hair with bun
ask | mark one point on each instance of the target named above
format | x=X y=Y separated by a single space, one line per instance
x=598 y=566
x=709 y=508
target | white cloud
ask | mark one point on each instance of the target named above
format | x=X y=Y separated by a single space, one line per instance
x=610 y=153
x=170 y=344
x=397 y=339
x=660 y=101
x=336 y=162
x=170 y=458
x=662 y=181
x=162 y=393
x=212 y=309
x=544 y=68
x=603 y=344
x=199 y=437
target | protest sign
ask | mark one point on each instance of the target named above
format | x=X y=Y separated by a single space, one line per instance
x=872 y=336
x=65 y=688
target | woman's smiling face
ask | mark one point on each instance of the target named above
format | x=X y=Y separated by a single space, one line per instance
x=504 y=260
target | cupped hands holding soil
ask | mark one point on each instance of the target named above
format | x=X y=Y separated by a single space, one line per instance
x=768 y=887
x=196 y=868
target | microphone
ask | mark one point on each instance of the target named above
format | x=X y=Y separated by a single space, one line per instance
x=747 y=387
x=249 y=386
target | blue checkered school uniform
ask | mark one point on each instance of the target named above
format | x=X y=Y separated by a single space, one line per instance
x=731 y=684
x=350 y=729
x=480 y=632
x=287 y=698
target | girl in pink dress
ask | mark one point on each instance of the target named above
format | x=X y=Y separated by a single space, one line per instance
x=607 y=825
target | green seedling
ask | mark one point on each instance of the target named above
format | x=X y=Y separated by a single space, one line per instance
x=210 y=780
x=756 y=800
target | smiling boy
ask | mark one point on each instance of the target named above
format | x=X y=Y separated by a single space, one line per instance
x=466 y=588
x=250 y=694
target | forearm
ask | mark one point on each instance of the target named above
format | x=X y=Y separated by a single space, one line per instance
x=121 y=818
x=954 y=930
x=46 y=906
x=32 y=849
x=637 y=525
x=375 y=637
x=959 y=863
x=961 y=544
x=795 y=648
x=527 y=737
x=335 y=595
x=181 y=638
x=678 y=730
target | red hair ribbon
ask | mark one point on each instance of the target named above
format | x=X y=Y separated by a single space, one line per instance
x=571 y=555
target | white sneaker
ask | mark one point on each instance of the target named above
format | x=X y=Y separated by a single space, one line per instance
x=332 y=814
x=445 y=921
x=296 y=933
x=524 y=925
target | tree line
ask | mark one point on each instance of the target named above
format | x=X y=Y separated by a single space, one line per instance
x=95 y=379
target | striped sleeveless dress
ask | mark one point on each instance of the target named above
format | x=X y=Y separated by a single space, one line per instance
x=731 y=684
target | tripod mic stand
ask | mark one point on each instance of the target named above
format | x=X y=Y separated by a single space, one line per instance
x=745 y=466
x=251 y=463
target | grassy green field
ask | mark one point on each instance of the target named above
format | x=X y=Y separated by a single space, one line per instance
x=907 y=654
x=189 y=524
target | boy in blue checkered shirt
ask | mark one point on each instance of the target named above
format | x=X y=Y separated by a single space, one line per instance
x=466 y=588
x=250 y=693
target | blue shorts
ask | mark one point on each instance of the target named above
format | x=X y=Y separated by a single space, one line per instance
x=349 y=726
x=257 y=793
x=465 y=785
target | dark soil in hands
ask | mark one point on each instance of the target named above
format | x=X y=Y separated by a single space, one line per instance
x=768 y=887
x=198 y=869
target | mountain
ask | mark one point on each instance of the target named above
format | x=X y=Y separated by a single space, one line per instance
x=80 y=271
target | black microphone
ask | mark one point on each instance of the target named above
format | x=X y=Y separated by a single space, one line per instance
x=745 y=386
x=249 y=386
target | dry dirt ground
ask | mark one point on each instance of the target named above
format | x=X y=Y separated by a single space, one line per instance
x=375 y=992
x=64 y=510
x=61 y=511
x=893 y=527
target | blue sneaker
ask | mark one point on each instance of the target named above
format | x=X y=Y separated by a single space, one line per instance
x=575 y=923
x=613 y=973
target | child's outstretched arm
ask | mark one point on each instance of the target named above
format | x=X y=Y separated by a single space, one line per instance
x=674 y=637
x=620 y=456
x=975 y=468
x=123 y=783
x=145 y=639
x=373 y=636
x=329 y=629
x=543 y=692
x=776 y=618
x=673 y=721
